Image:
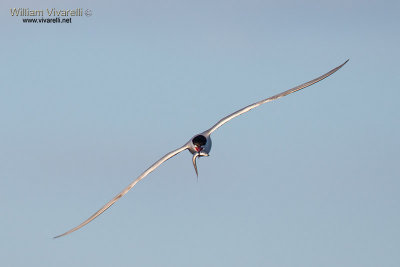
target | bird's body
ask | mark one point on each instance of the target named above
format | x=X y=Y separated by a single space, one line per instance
x=199 y=145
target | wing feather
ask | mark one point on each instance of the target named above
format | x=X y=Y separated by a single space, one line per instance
x=254 y=105
x=129 y=187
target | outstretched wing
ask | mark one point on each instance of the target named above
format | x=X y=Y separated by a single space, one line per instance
x=129 y=187
x=250 y=107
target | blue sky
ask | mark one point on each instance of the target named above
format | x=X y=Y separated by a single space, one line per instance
x=308 y=180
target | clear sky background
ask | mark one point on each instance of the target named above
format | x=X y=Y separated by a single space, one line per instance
x=311 y=179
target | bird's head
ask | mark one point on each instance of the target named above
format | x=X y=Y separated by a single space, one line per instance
x=200 y=144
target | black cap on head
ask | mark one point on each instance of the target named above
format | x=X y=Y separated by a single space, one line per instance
x=199 y=140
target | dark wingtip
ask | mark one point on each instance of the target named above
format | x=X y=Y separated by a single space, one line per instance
x=58 y=236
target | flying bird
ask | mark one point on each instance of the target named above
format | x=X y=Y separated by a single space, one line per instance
x=199 y=145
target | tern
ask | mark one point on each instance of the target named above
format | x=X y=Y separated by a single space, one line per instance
x=199 y=145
